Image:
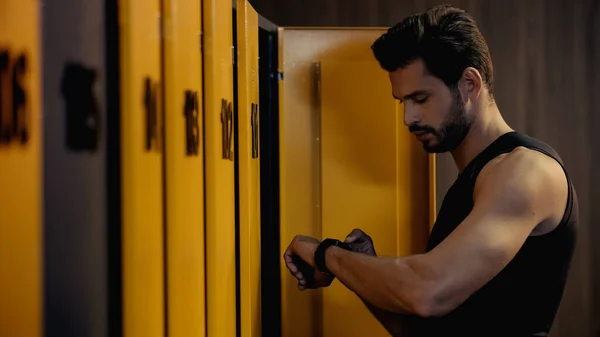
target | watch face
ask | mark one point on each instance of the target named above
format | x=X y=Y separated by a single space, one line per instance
x=340 y=244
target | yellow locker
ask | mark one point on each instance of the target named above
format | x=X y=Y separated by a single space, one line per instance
x=249 y=169
x=347 y=162
x=20 y=170
x=219 y=168
x=184 y=168
x=374 y=176
x=142 y=169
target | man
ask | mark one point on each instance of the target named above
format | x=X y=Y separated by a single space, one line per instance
x=499 y=254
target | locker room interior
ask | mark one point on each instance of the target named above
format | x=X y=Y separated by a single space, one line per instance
x=158 y=156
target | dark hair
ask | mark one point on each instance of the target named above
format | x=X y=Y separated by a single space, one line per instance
x=446 y=38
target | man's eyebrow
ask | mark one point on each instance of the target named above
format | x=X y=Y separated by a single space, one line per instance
x=411 y=95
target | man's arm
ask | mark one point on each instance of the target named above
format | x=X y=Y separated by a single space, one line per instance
x=397 y=325
x=512 y=196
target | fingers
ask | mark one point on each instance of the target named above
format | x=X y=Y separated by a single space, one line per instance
x=291 y=265
x=354 y=236
x=304 y=269
x=301 y=286
x=289 y=262
x=294 y=265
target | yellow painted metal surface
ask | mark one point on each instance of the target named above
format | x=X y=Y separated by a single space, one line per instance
x=374 y=176
x=21 y=250
x=142 y=169
x=338 y=120
x=300 y=311
x=184 y=168
x=219 y=168
x=249 y=169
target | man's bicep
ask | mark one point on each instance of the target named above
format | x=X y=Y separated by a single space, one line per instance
x=504 y=214
x=471 y=256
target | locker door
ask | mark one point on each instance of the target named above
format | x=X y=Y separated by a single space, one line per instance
x=374 y=176
x=20 y=169
x=249 y=169
x=219 y=168
x=141 y=166
x=75 y=180
x=184 y=168
x=347 y=161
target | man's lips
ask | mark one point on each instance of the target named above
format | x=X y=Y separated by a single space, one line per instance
x=422 y=135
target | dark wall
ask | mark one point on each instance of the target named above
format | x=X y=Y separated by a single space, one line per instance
x=546 y=86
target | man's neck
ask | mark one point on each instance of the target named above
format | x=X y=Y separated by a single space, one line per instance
x=484 y=131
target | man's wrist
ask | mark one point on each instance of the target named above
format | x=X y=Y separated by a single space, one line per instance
x=321 y=254
x=333 y=256
x=330 y=255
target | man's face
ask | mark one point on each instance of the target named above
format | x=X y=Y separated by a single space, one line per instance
x=434 y=113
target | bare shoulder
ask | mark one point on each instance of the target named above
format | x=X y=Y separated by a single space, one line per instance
x=526 y=180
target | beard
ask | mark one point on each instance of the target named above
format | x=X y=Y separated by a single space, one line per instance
x=452 y=131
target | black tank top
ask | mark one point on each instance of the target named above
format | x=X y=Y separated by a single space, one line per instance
x=523 y=298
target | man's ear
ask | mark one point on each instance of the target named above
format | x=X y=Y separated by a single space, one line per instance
x=472 y=84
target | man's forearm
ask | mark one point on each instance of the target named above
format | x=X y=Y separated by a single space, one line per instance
x=391 y=284
x=396 y=324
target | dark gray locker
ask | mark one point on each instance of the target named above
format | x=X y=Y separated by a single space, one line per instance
x=76 y=291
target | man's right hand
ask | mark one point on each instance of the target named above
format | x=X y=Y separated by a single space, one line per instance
x=360 y=242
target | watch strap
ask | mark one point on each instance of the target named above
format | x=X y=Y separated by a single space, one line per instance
x=320 y=262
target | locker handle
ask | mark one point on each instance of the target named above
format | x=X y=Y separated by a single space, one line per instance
x=254 y=128
x=227 y=129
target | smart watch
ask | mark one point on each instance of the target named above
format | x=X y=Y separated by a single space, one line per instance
x=320 y=253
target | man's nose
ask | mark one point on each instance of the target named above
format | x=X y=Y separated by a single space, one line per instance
x=411 y=115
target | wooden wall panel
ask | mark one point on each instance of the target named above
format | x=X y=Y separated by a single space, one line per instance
x=546 y=83
x=591 y=79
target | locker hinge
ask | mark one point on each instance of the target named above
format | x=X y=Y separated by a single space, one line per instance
x=13 y=113
x=280 y=75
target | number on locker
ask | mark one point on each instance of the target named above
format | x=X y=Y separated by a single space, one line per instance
x=219 y=165
x=184 y=169
x=20 y=170
x=249 y=169
x=141 y=169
